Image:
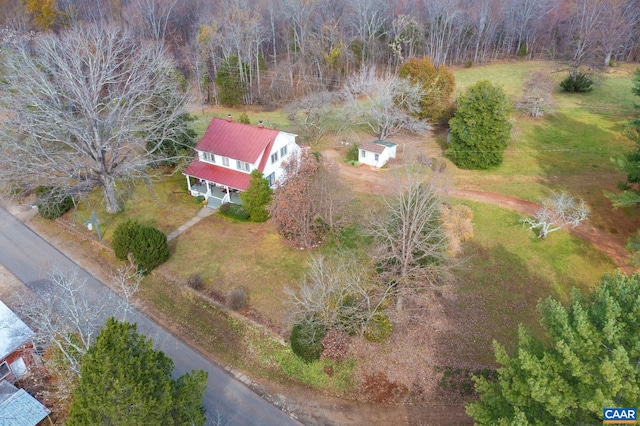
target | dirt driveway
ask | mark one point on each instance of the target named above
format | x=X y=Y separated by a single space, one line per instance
x=375 y=181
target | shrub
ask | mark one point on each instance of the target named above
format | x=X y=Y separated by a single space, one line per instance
x=306 y=340
x=122 y=238
x=379 y=328
x=200 y=199
x=257 y=197
x=582 y=83
x=244 y=118
x=52 y=202
x=235 y=211
x=352 y=153
x=195 y=281
x=149 y=248
x=479 y=132
x=237 y=299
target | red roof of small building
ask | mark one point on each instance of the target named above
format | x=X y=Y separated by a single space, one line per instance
x=236 y=140
x=217 y=174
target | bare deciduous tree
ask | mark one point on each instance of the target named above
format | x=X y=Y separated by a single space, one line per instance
x=391 y=106
x=537 y=94
x=311 y=115
x=410 y=242
x=87 y=108
x=338 y=293
x=309 y=200
x=154 y=16
x=557 y=212
x=62 y=315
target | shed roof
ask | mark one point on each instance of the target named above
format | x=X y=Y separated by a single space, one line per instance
x=236 y=140
x=371 y=147
x=385 y=143
x=18 y=408
x=13 y=331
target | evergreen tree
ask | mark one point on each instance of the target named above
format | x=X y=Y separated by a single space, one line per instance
x=629 y=163
x=480 y=129
x=589 y=360
x=123 y=380
x=257 y=197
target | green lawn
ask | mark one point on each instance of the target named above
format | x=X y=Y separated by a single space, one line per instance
x=569 y=149
x=506 y=270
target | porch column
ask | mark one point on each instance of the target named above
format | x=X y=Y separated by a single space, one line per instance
x=188 y=182
x=206 y=182
x=227 y=196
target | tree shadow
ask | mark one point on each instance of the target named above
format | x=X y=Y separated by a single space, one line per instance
x=494 y=292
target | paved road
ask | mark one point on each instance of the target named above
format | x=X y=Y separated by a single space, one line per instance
x=226 y=400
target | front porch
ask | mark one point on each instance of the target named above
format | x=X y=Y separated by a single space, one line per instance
x=215 y=195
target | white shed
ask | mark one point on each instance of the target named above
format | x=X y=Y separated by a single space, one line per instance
x=376 y=153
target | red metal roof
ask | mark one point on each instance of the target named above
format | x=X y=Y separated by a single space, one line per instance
x=236 y=140
x=217 y=174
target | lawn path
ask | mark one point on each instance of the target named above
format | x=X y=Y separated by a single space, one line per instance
x=370 y=180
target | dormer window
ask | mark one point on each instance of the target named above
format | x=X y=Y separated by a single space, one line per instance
x=225 y=161
x=207 y=156
x=241 y=165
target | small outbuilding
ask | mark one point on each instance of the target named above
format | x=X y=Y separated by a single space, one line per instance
x=376 y=153
x=18 y=408
x=16 y=346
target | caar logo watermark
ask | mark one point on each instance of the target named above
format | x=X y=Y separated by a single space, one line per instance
x=620 y=416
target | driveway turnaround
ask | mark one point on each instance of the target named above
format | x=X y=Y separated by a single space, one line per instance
x=226 y=400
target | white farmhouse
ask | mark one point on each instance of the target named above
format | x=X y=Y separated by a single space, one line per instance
x=227 y=154
x=376 y=153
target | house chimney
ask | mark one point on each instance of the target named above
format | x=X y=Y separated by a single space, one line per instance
x=260 y=124
x=229 y=117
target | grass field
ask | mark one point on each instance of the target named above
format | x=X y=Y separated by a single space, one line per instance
x=506 y=270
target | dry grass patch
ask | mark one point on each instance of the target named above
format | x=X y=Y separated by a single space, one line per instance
x=231 y=254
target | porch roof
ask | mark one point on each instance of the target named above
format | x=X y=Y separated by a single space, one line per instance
x=219 y=175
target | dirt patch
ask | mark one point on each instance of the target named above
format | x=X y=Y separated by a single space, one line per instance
x=376 y=181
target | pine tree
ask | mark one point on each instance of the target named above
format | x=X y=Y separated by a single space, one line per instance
x=123 y=380
x=480 y=128
x=257 y=197
x=589 y=360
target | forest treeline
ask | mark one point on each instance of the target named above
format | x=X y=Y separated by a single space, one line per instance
x=276 y=50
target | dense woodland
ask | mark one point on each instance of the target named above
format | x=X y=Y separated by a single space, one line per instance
x=277 y=50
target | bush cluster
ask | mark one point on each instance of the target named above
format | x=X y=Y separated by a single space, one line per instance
x=352 y=153
x=379 y=328
x=148 y=246
x=581 y=84
x=237 y=299
x=52 y=203
x=306 y=340
x=235 y=211
x=195 y=281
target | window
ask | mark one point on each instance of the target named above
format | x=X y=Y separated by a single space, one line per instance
x=271 y=178
x=225 y=161
x=274 y=157
x=207 y=156
x=363 y=153
x=241 y=165
x=375 y=157
x=4 y=370
x=283 y=151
